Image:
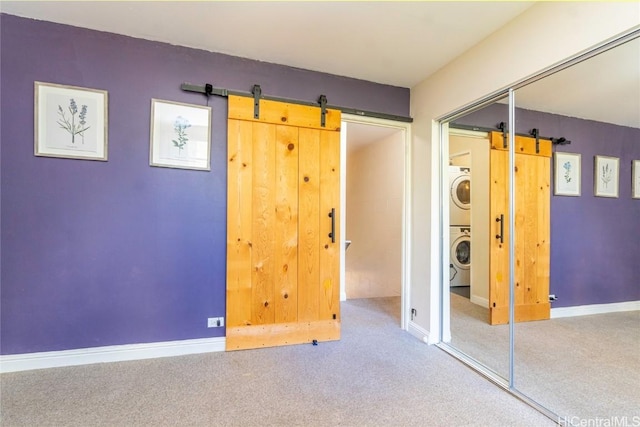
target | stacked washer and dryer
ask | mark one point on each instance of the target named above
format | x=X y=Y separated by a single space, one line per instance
x=460 y=225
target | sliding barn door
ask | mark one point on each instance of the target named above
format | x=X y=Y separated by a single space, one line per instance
x=282 y=224
x=532 y=230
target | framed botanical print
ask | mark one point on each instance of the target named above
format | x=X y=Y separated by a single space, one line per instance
x=180 y=135
x=70 y=122
x=605 y=176
x=567 y=174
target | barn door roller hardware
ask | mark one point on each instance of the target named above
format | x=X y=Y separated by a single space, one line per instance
x=210 y=90
x=505 y=133
x=560 y=141
x=323 y=109
x=536 y=134
x=555 y=141
x=257 y=92
x=502 y=127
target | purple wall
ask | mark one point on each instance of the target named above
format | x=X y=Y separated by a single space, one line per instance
x=595 y=241
x=118 y=252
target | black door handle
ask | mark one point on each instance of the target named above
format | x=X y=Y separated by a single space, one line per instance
x=332 y=215
x=501 y=235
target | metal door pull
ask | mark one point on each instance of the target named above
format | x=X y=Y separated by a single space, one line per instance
x=332 y=215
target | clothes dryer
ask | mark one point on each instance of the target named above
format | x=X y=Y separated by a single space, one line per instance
x=460 y=256
x=460 y=195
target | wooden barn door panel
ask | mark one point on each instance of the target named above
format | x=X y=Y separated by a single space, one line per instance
x=309 y=225
x=286 y=225
x=499 y=251
x=329 y=292
x=283 y=268
x=263 y=245
x=239 y=221
x=532 y=247
x=532 y=224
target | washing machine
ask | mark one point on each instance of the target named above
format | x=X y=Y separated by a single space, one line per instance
x=460 y=195
x=460 y=256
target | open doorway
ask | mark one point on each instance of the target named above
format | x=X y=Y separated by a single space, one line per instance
x=375 y=155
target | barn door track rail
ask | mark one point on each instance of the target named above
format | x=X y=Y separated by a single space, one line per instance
x=502 y=127
x=256 y=94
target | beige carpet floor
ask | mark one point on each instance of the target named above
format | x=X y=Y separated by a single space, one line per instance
x=585 y=366
x=377 y=375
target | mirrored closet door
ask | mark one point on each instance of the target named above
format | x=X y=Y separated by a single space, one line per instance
x=584 y=363
x=478 y=238
x=574 y=347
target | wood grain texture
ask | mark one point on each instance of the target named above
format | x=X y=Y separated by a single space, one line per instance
x=543 y=193
x=523 y=258
x=532 y=176
x=329 y=292
x=497 y=141
x=239 y=177
x=282 y=113
x=263 y=224
x=524 y=144
x=279 y=334
x=309 y=225
x=527 y=145
x=533 y=200
x=279 y=175
x=286 y=248
x=499 y=252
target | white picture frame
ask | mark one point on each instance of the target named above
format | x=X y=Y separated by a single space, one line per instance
x=635 y=179
x=606 y=176
x=567 y=174
x=180 y=135
x=70 y=122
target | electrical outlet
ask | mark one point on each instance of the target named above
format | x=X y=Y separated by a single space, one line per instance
x=215 y=322
x=552 y=297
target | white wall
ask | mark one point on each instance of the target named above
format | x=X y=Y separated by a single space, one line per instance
x=375 y=180
x=459 y=157
x=544 y=35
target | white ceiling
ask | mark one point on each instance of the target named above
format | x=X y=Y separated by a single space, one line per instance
x=396 y=43
x=605 y=88
x=361 y=135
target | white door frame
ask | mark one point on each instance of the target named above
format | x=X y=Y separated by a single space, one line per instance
x=405 y=128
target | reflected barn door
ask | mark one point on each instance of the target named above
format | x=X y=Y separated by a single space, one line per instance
x=283 y=217
x=532 y=230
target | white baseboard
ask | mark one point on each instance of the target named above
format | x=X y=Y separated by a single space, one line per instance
x=584 y=310
x=115 y=353
x=420 y=333
x=482 y=302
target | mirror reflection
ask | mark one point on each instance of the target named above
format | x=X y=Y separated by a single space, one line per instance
x=584 y=363
x=577 y=331
x=473 y=248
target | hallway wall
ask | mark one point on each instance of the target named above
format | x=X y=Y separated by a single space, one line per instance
x=375 y=176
